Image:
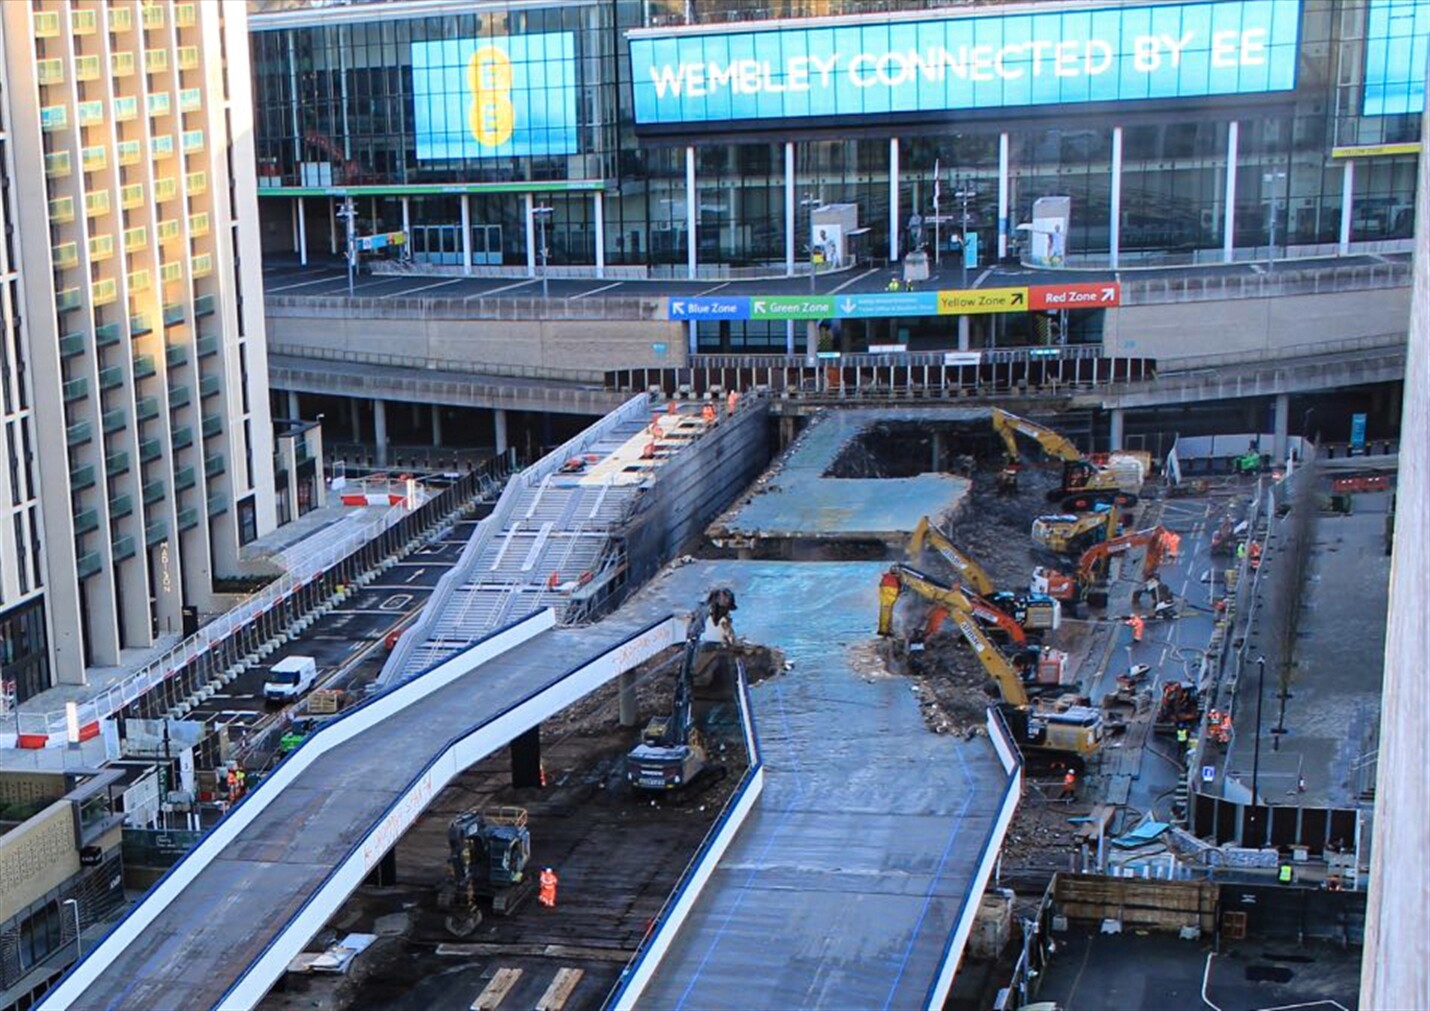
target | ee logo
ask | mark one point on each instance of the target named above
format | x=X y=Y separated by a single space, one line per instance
x=491 y=116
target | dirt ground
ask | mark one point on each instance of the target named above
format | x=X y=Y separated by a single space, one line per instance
x=618 y=855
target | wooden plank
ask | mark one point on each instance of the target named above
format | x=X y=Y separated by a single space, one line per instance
x=559 y=992
x=496 y=989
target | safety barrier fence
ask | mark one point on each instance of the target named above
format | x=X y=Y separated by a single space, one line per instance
x=496 y=307
x=505 y=370
x=496 y=521
x=654 y=946
x=1282 y=280
x=459 y=754
x=1012 y=761
x=343 y=728
x=256 y=618
x=1003 y=372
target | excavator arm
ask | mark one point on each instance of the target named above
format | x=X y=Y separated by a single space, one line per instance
x=1053 y=443
x=969 y=571
x=951 y=599
x=998 y=666
x=1094 y=558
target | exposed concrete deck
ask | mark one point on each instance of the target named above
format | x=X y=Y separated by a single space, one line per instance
x=844 y=884
x=797 y=500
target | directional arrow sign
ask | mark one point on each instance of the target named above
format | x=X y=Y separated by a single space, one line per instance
x=735 y=307
x=977 y=300
x=1095 y=295
x=793 y=307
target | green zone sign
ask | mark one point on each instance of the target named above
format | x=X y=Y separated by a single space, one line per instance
x=792 y=307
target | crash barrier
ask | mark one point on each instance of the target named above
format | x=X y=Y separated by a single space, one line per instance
x=1012 y=761
x=459 y=754
x=497 y=520
x=343 y=728
x=922 y=375
x=672 y=916
x=257 y=617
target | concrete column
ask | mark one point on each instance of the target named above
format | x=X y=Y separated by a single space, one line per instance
x=811 y=340
x=789 y=208
x=293 y=412
x=302 y=234
x=499 y=427
x=936 y=454
x=1395 y=966
x=1114 y=222
x=416 y=415
x=1348 y=194
x=1281 y=427
x=600 y=210
x=789 y=337
x=692 y=337
x=467 y=231
x=436 y=425
x=1228 y=225
x=333 y=225
x=1114 y=438
x=355 y=419
x=893 y=200
x=407 y=220
x=529 y=225
x=692 y=210
x=379 y=430
x=964 y=325
x=1002 y=195
x=526 y=760
x=293 y=220
x=627 y=697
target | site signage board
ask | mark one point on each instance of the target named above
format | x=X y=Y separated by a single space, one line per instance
x=980 y=300
x=873 y=65
x=697 y=307
x=1095 y=295
x=499 y=96
x=1397 y=42
x=886 y=305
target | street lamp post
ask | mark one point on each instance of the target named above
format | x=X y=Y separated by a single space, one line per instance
x=78 y=942
x=541 y=214
x=1256 y=741
x=349 y=216
x=811 y=201
x=963 y=195
x=1272 y=178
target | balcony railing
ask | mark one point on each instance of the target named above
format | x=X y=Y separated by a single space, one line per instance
x=72 y=344
x=107 y=333
x=123 y=548
x=205 y=305
x=178 y=396
x=82 y=477
x=114 y=420
x=111 y=377
x=156 y=532
x=86 y=521
x=154 y=491
x=149 y=450
x=184 y=478
x=120 y=506
x=188 y=518
x=218 y=504
x=182 y=437
x=88 y=564
x=208 y=344
x=214 y=465
x=144 y=366
x=76 y=389
x=117 y=463
x=213 y=425
x=208 y=386
x=78 y=434
x=146 y=408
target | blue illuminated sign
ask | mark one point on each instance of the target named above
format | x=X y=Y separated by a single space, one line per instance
x=501 y=96
x=883 y=304
x=697 y=307
x=1397 y=42
x=872 y=66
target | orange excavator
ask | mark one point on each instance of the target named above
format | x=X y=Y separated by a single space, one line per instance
x=1092 y=566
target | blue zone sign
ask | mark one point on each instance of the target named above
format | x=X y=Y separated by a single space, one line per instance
x=874 y=66
x=709 y=308
x=1397 y=42
x=502 y=96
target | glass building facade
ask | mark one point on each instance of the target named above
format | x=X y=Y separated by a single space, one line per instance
x=463 y=125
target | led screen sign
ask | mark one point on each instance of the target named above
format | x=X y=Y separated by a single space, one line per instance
x=504 y=96
x=1397 y=42
x=869 y=67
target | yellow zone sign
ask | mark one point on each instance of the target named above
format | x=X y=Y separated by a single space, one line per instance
x=982 y=300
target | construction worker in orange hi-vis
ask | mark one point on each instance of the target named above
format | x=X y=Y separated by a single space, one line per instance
x=732 y=401
x=547 y=895
x=1069 y=785
x=707 y=414
x=1137 y=623
x=1174 y=545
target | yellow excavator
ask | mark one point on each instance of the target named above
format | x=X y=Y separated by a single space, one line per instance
x=970 y=573
x=1074 y=533
x=1086 y=583
x=1085 y=483
x=1039 y=613
x=1072 y=733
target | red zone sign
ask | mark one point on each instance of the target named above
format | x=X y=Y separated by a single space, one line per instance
x=1095 y=295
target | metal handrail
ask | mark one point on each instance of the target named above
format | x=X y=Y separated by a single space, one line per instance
x=1310 y=349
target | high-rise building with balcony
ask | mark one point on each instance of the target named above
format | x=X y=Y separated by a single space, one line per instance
x=135 y=409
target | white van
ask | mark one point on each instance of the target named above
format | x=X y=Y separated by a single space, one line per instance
x=289 y=678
